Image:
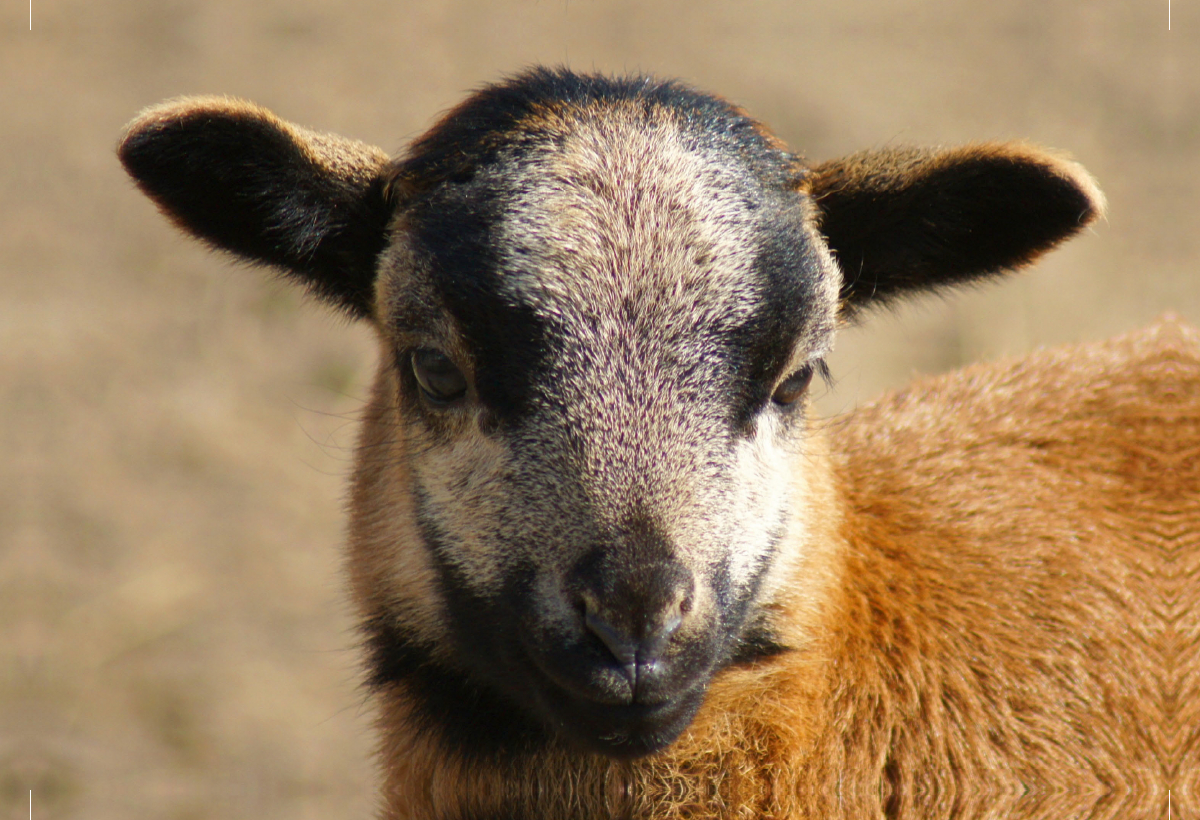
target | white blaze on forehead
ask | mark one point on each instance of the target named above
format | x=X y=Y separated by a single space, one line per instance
x=622 y=208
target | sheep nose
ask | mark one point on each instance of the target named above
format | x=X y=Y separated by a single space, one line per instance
x=636 y=621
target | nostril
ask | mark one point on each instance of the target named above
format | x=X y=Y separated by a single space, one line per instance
x=623 y=648
x=663 y=633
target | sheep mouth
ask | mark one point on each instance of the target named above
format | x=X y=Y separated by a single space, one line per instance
x=624 y=731
x=623 y=728
x=588 y=699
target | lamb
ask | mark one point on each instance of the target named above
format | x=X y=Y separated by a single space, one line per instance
x=609 y=565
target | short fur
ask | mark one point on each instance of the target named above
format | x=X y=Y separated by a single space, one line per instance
x=622 y=573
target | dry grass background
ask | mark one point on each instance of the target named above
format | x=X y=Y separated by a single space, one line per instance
x=176 y=430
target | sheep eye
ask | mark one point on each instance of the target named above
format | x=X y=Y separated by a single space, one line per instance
x=793 y=387
x=438 y=378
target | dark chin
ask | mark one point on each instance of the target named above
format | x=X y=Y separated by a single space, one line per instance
x=622 y=732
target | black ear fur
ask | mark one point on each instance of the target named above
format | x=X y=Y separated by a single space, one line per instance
x=907 y=220
x=240 y=178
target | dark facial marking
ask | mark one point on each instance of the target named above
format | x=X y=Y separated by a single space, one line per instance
x=456 y=227
x=473 y=721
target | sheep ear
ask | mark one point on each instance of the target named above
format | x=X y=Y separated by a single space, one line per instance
x=240 y=178
x=908 y=220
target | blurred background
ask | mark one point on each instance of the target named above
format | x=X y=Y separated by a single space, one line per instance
x=175 y=430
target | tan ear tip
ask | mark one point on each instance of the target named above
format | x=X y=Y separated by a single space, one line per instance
x=1059 y=163
x=1092 y=188
x=1069 y=169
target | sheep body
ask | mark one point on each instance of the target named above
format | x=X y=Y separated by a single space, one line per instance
x=606 y=563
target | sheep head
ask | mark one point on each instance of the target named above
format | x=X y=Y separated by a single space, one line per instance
x=599 y=303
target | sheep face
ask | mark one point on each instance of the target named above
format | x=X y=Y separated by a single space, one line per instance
x=601 y=489
x=599 y=301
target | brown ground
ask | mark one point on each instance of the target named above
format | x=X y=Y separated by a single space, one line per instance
x=173 y=638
